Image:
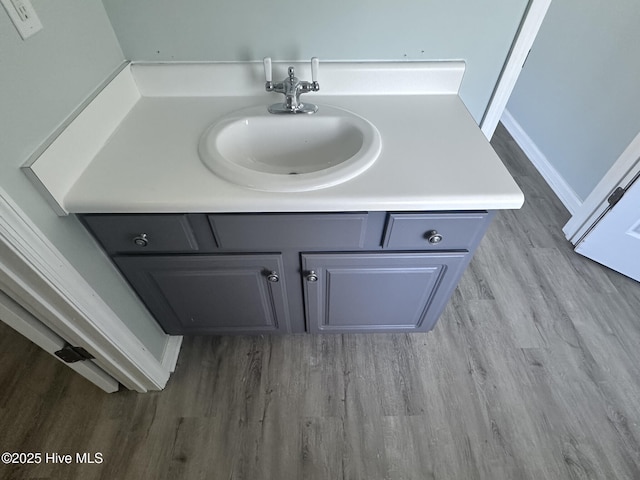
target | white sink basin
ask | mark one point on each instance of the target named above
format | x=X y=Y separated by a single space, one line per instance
x=289 y=153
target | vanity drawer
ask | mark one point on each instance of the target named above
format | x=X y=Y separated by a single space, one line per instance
x=142 y=233
x=281 y=231
x=435 y=231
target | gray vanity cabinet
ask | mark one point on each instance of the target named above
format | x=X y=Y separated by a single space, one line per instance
x=211 y=294
x=228 y=273
x=376 y=292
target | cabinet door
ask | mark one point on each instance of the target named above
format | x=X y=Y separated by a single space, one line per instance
x=378 y=292
x=211 y=294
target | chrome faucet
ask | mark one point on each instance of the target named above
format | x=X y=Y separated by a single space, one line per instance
x=292 y=87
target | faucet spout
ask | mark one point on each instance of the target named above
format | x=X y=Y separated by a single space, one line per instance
x=292 y=87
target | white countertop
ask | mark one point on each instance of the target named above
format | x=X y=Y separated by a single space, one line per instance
x=434 y=157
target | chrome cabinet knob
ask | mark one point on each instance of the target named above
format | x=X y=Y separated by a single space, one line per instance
x=141 y=240
x=273 y=277
x=312 y=276
x=433 y=237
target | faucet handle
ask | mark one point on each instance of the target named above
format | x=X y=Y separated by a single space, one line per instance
x=267 y=69
x=315 y=65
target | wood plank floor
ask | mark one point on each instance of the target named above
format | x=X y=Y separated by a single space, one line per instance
x=533 y=372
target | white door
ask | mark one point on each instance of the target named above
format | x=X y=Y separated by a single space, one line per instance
x=615 y=240
x=26 y=324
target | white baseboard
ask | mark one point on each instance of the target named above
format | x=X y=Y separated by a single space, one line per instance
x=560 y=187
x=171 y=352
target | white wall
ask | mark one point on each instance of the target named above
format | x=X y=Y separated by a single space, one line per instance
x=578 y=97
x=42 y=81
x=479 y=32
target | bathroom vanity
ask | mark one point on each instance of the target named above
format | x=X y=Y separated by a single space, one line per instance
x=267 y=273
x=379 y=251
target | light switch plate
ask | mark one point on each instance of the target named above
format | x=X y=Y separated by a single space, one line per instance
x=23 y=16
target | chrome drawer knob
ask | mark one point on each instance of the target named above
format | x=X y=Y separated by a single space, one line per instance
x=273 y=277
x=312 y=276
x=433 y=237
x=141 y=240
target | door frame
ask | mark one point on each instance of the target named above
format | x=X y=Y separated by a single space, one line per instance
x=523 y=41
x=34 y=274
x=596 y=205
